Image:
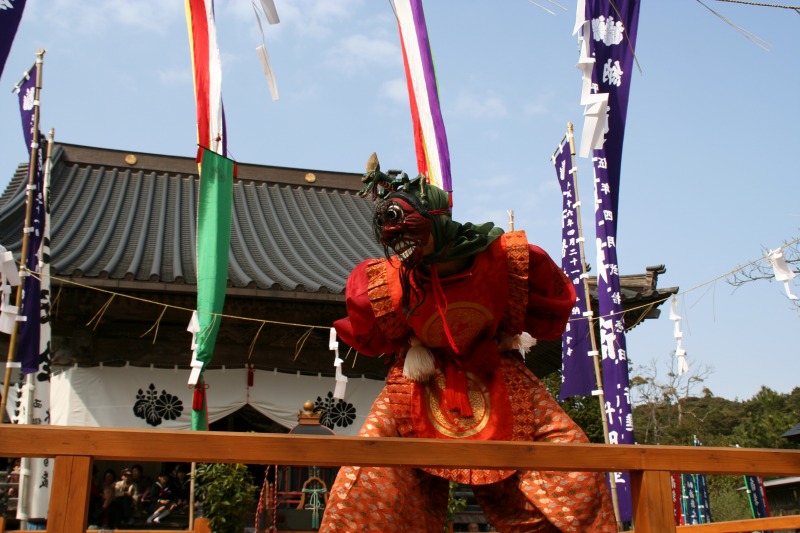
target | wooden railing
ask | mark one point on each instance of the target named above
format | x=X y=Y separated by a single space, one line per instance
x=75 y=448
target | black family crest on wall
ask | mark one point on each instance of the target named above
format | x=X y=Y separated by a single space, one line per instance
x=154 y=408
x=335 y=412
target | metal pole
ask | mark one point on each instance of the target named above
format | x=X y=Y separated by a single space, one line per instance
x=590 y=317
x=12 y=343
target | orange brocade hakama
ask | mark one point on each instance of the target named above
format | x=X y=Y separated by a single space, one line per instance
x=406 y=500
x=510 y=287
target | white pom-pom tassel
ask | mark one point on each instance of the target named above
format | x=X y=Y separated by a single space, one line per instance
x=419 y=364
x=523 y=342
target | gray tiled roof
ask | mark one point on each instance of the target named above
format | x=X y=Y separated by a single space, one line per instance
x=132 y=217
x=129 y=222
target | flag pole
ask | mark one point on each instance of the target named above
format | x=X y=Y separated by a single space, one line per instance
x=12 y=343
x=590 y=317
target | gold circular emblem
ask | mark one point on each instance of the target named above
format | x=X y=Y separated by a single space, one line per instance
x=310 y=177
x=131 y=159
x=450 y=423
x=466 y=320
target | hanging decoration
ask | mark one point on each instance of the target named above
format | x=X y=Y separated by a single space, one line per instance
x=271 y=14
x=430 y=138
x=680 y=353
x=341 y=379
x=213 y=243
x=9 y=277
x=207 y=69
x=782 y=271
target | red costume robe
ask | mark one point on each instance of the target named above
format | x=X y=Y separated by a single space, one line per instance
x=477 y=392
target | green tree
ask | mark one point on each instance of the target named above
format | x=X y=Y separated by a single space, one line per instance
x=674 y=410
x=767 y=415
x=227 y=493
x=664 y=412
x=454 y=505
x=584 y=410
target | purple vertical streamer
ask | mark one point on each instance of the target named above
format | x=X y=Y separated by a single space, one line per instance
x=577 y=366
x=426 y=58
x=29 y=330
x=10 y=16
x=612 y=41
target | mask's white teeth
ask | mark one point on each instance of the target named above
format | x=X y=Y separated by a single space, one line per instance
x=407 y=253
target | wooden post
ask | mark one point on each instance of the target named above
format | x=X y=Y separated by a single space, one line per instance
x=652 y=497
x=69 y=499
x=201 y=525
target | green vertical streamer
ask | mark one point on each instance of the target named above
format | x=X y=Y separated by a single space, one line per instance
x=213 y=242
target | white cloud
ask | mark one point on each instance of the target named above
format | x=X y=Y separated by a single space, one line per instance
x=470 y=105
x=175 y=76
x=316 y=18
x=103 y=16
x=359 y=53
x=396 y=91
x=535 y=108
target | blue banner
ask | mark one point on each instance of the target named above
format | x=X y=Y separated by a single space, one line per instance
x=691 y=515
x=757 y=496
x=701 y=494
x=577 y=366
x=10 y=15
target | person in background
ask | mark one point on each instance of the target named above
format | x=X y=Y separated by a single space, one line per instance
x=108 y=514
x=164 y=504
x=142 y=493
x=126 y=495
x=184 y=488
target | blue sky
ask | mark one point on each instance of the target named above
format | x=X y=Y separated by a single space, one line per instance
x=710 y=164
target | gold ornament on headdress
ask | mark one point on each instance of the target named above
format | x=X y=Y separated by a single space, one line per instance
x=380 y=184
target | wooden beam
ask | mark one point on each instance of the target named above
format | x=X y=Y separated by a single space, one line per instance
x=651 y=491
x=69 y=497
x=250 y=448
x=736 y=526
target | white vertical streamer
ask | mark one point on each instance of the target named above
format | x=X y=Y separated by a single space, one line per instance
x=680 y=353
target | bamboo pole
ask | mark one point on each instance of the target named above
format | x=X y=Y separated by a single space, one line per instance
x=12 y=343
x=598 y=376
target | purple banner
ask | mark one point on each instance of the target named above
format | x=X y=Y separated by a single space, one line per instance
x=577 y=366
x=616 y=387
x=10 y=15
x=28 y=341
x=612 y=40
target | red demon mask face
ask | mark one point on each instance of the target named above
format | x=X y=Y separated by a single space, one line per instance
x=400 y=226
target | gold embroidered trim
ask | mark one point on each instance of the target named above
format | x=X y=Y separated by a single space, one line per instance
x=516 y=247
x=380 y=298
